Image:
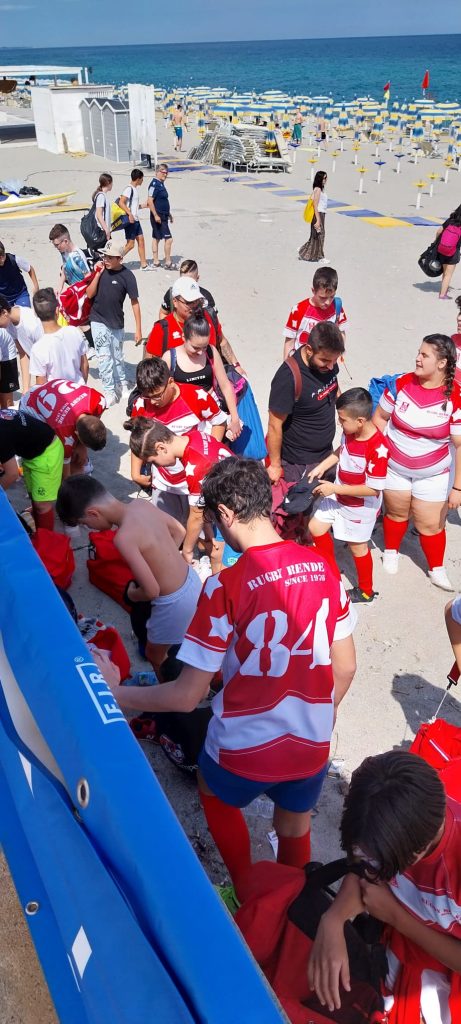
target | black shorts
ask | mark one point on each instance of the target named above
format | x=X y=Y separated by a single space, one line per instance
x=160 y=231
x=323 y=136
x=9 y=378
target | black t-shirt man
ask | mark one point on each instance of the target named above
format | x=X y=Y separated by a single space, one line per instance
x=113 y=288
x=301 y=432
x=22 y=435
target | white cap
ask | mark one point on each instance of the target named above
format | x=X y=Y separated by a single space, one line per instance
x=187 y=288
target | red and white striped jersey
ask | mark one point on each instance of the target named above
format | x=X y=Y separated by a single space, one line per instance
x=362 y=462
x=188 y=473
x=60 y=403
x=431 y=889
x=420 y=428
x=305 y=316
x=268 y=622
x=194 y=408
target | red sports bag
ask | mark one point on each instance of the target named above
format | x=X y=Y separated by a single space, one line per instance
x=106 y=638
x=107 y=570
x=56 y=553
x=74 y=303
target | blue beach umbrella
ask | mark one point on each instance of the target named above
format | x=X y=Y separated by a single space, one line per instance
x=418 y=130
x=343 y=119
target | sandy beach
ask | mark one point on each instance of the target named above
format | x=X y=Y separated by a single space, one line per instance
x=245 y=240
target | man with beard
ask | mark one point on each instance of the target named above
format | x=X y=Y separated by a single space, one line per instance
x=302 y=405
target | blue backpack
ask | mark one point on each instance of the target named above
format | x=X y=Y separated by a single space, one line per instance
x=377 y=385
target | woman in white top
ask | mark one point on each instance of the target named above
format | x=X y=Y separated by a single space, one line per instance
x=312 y=250
x=103 y=203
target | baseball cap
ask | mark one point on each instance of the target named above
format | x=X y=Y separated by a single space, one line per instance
x=113 y=248
x=187 y=288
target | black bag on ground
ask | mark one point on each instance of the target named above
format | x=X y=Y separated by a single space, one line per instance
x=91 y=230
x=430 y=261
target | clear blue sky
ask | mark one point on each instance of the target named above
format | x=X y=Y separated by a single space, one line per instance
x=98 y=22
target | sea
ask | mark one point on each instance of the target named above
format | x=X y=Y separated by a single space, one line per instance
x=343 y=68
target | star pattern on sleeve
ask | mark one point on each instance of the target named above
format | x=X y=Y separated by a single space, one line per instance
x=212 y=584
x=189 y=469
x=220 y=626
x=382 y=451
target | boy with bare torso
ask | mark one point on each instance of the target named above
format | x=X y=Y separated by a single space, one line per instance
x=148 y=540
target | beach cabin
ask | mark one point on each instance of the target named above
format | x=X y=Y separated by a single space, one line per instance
x=106 y=128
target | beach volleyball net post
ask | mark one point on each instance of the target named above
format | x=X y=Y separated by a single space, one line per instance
x=125 y=922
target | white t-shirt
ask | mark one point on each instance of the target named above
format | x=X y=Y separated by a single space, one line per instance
x=133 y=203
x=322 y=203
x=28 y=330
x=7 y=345
x=104 y=203
x=22 y=264
x=57 y=356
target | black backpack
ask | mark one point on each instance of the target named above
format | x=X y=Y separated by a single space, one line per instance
x=91 y=230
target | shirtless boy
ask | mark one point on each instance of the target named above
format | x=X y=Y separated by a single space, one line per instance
x=148 y=540
x=178 y=122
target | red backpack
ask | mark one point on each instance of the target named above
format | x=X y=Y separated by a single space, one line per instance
x=74 y=303
x=448 y=241
x=107 y=570
x=106 y=638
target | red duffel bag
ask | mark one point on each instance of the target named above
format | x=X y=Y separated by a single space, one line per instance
x=106 y=638
x=107 y=570
x=56 y=553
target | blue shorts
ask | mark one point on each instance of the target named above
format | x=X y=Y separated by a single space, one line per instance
x=299 y=795
x=160 y=231
x=178 y=131
x=133 y=231
x=23 y=299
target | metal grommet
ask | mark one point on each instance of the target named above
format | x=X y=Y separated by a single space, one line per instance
x=32 y=907
x=83 y=793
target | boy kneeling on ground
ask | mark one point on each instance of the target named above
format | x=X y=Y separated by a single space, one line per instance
x=399 y=820
x=278 y=625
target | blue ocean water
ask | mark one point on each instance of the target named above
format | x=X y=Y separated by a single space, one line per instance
x=342 y=67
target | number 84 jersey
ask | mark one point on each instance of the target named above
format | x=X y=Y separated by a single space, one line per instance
x=268 y=623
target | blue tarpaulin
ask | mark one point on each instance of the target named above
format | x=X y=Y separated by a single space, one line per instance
x=127 y=927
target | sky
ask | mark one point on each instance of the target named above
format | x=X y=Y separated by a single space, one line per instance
x=78 y=22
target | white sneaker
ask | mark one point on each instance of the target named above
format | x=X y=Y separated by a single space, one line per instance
x=88 y=467
x=111 y=399
x=391 y=561
x=439 y=578
x=148 y=267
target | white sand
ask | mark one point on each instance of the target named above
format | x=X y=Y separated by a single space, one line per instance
x=245 y=241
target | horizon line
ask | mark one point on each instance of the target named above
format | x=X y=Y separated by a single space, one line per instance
x=207 y=42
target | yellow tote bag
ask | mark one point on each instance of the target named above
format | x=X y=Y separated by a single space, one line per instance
x=309 y=211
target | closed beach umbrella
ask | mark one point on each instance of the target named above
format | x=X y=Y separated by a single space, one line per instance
x=343 y=119
x=418 y=129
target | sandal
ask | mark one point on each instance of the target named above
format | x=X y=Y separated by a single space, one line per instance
x=169 y=266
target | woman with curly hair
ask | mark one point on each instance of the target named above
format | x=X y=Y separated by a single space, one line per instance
x=423 y=425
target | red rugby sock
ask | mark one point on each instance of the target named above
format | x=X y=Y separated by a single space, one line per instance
x=393 y=533
x=294 y=850
x=364 y=567
x=325 y=545
x=229 y=830
x=45 y=519
x=434 y=548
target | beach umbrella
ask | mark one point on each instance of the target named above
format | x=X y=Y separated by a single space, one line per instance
x=419 y=185
x=418 y=129
x=398 y=157
x=334 y=154
x=269 y=139
x=432 y=178
x=379 y=164
x=356 y=147
x=394 y=118
x=362 y=171
x=343 y=120
x=312 y=161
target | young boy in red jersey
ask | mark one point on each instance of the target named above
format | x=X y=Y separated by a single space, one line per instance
x=322 y=306
x=153 y=442
x=278 y=625
x=351 y=505
x=74 y=412
x=401 y=822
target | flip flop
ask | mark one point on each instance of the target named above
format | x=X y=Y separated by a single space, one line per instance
x=169 y=266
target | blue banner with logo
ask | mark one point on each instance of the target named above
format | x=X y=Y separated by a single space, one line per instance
x=127 y=927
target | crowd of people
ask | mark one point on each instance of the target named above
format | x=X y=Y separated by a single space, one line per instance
x=271 y=630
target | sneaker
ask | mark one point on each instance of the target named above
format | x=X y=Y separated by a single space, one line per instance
x=88 y=467
x=358 y=596
x=148 y=266
x=126 y=391
x=391 y=561
x=111 y=398
x=439 y=578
